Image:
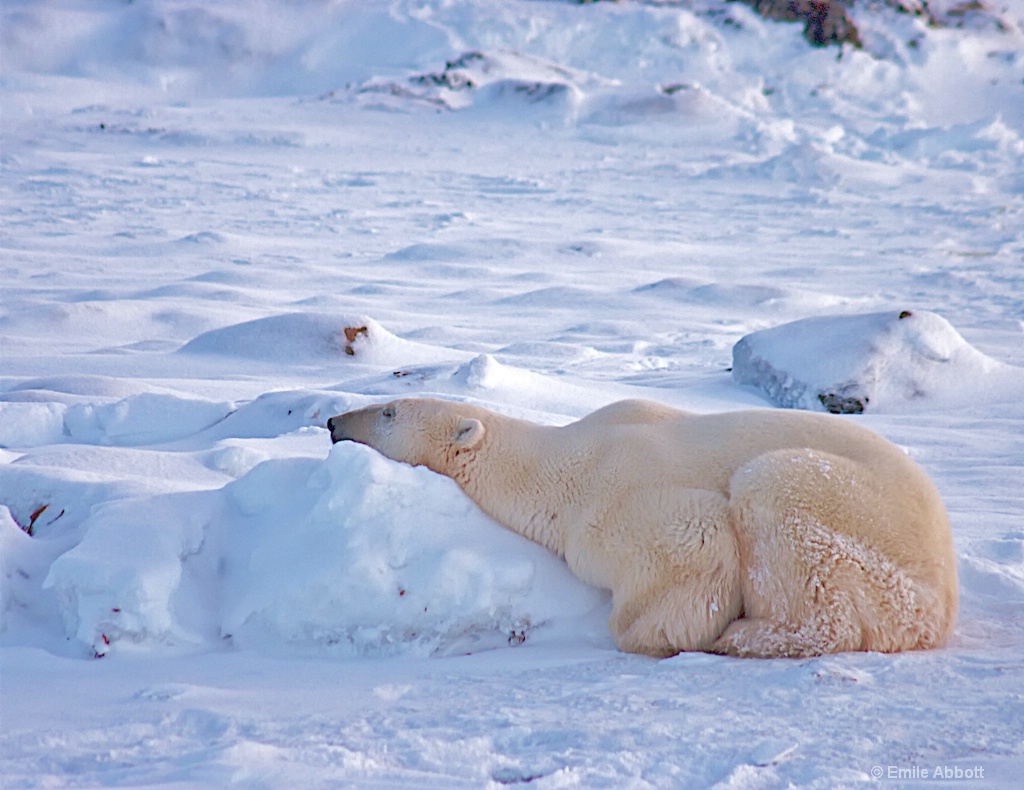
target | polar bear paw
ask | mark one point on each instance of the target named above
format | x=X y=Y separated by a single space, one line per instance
x=758 y=638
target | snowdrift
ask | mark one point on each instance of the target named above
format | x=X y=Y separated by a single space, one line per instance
x=332 y=549
x=353 y=554
x=885 y=362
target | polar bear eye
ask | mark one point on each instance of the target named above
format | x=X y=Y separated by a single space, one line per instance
x=388 y=412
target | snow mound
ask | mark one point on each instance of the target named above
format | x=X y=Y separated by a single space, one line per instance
x=750 y=297
x=146 y=418
x=381 y=557
x=890 y=362
x=275 y=414
x=311 y=338
x=517 y=391
x=72 y=388
x=493 y=80
x=291 y=337
x=354 y=553
x=484 y=372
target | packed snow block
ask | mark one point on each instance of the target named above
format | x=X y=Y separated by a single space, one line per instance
x=890 y=361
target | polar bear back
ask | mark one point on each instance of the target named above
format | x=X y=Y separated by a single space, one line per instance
x=707 y=449
x=639 y=443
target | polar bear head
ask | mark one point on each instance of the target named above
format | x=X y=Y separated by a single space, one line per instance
x=418 y=431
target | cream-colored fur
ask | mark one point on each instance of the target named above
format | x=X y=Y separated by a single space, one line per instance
x=752 y=533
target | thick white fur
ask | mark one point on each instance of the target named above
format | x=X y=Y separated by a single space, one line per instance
x=753 y=533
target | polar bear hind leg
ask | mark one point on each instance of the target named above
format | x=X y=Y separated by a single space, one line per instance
x=813 y=578
x=681 y=595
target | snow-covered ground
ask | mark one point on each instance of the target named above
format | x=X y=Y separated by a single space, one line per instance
x=538 y=206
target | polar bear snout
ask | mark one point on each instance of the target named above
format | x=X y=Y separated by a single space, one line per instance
x=355 y=426
x=337 y=426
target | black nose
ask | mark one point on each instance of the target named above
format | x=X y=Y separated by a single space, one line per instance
x=330 y=425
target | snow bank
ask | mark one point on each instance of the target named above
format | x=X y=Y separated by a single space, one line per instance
x=168 y=523
x=363 y=554
x=354 y=553
x=885 y=362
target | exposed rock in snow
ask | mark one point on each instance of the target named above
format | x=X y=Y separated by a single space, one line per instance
x=827 y=21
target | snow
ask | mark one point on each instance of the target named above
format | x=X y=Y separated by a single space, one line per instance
x=223 y=223
x=879 y=361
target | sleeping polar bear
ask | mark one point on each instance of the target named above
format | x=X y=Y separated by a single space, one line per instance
x=752 y=533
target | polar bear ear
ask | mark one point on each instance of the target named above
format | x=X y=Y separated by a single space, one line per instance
x=468 y=433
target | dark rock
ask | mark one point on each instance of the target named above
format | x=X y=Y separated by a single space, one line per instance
x=825 y=21
x=840 y=403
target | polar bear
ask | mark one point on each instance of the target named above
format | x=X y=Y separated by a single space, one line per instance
x=750 y=533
